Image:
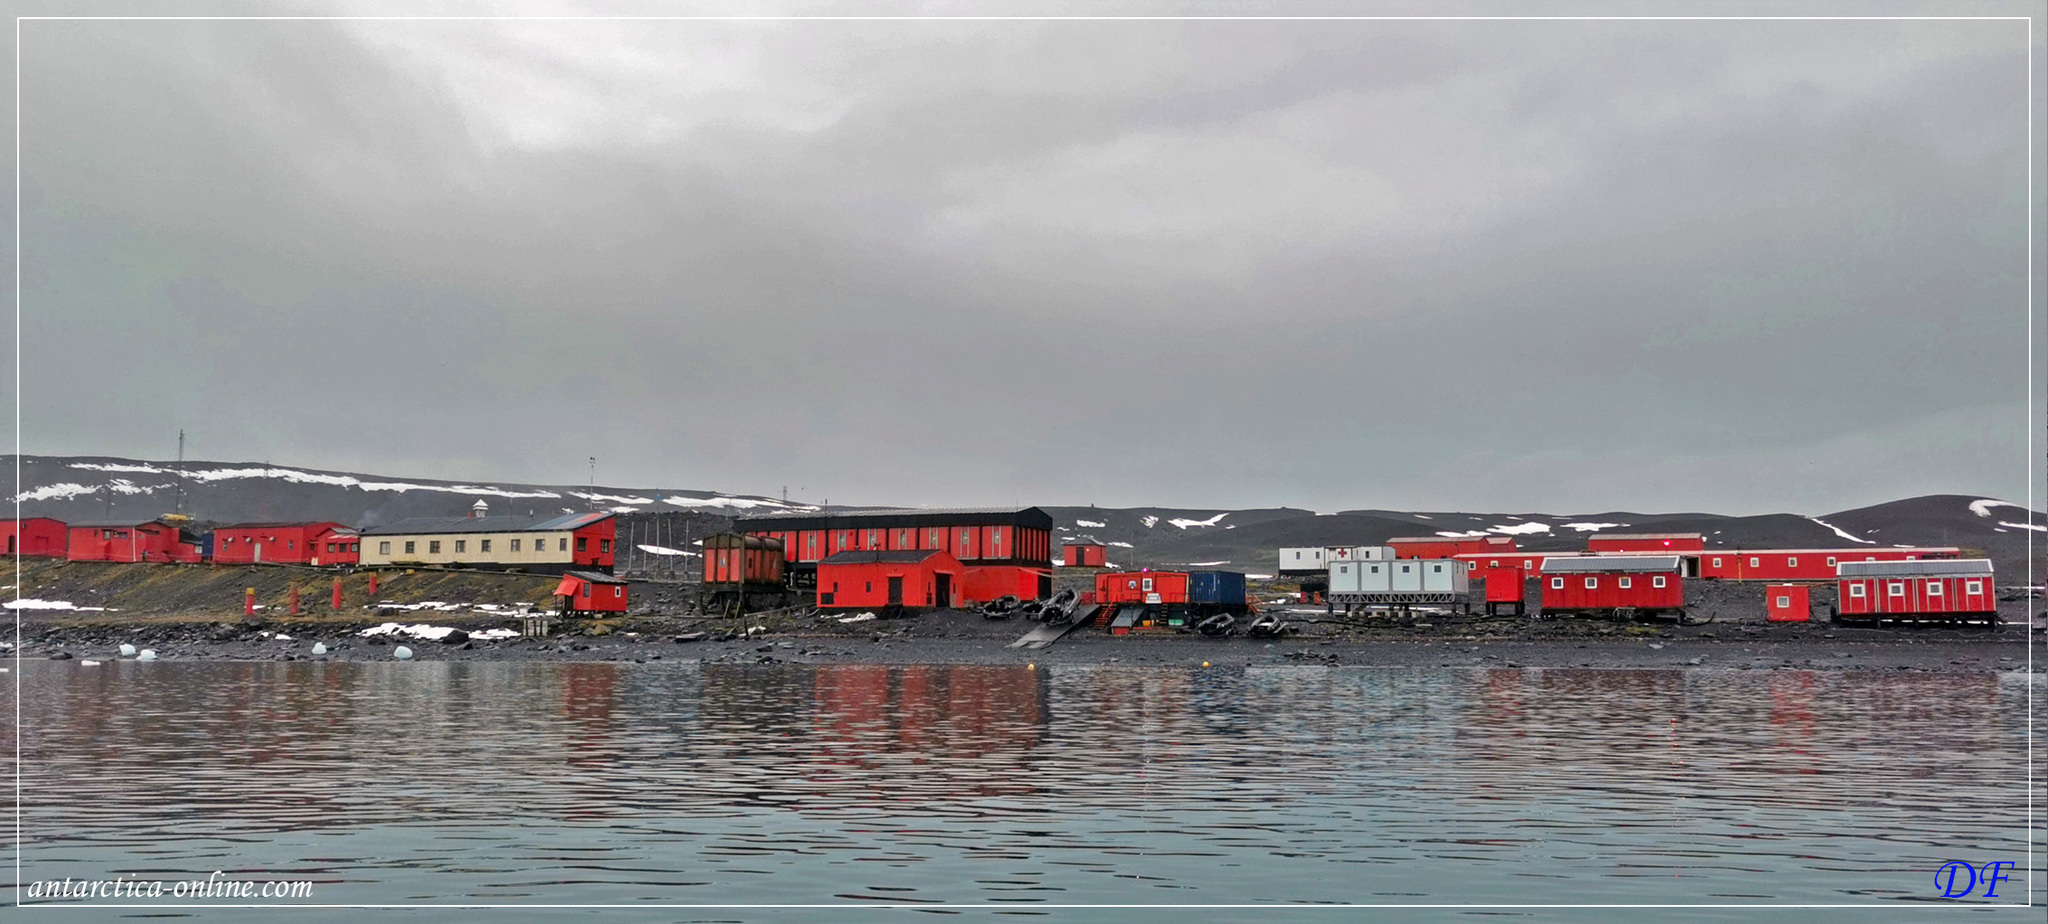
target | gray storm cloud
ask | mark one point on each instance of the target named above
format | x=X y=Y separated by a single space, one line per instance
x=1737 y=266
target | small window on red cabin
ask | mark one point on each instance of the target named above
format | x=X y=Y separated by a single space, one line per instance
x=1831 y=561
x=1895 y=589
x=1934 y=588
x=1784 y=603
x=1791 y=561
x=586 y=590
x=1557 y=583
x=604 y=545
x=582 y=543
x=1856 y=590
x=1753 y=562
x=1973 y=588
x=1717 y=563
x=1657 y=581
x=1626 y=583
x=1592 y=583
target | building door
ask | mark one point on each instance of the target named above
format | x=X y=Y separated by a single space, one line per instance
x=943 y=589
x=896 y=591
x=258 y=553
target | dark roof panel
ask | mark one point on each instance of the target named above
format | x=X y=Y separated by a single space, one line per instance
x=1028 y=517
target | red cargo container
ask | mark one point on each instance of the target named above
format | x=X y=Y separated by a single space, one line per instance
x=1787 y=603
x=1450 y=546
x=1646 y=542
x=903 y=579
x=151 y=541
x=1503 y=585
x=35 y=537
x=1803 y=564
x=590 y=592
x=1085 y=555
x=1157 y=587
x=1954 y=588
x=1645 y=584
x=989 y=582
x=325 y=543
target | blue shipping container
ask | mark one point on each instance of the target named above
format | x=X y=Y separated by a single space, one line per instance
x=1219 y=588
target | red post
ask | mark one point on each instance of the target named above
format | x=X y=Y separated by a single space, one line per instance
x=249 y=602
x=373 y=584
x=295 y=599
x=337 y=593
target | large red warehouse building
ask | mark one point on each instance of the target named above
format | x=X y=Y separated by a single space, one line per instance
x=127 y=541
x=325 y=543
x=1450 y=546
x=36 y=537
x=1009 y=549
x=1646 y=542
x=1802 y=564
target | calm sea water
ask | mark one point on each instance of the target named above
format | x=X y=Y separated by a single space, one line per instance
x=857 y=786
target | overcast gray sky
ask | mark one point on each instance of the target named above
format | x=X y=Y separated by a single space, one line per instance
x=1504 y=265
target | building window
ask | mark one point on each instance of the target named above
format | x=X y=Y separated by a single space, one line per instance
x=291 y=544
x=1792 y=562
x=1973 y=588
x=562 y=544
x=461 y=545
x=1895 y=589
x=604 y=545
x=1856 y=590
x=1657 y=582
x=433 y=547
x=1626 y=583
x=1755 y=562
x=383 y=548
x=1148 y=583
x=1784 y=603
x=1592 y=582
x=355 y=547
x=1934 y=588
x=871 y=587
x=1717 y=563
x=1831 y=561
x=408 y=546
x=515 y=545
x=1557 y=583
x=582 y=544
x=483 y=545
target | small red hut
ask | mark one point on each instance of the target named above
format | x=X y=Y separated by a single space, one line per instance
x=585 y=592
x=1085 y=555
x=905 y=579
x=1787 y=603
x=35 y=537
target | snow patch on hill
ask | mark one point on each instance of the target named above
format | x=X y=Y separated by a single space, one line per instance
x=1839 y=532
x=1212 y=521
x=1593 y=527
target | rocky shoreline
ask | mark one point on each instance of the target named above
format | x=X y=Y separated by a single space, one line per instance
x=955 y=637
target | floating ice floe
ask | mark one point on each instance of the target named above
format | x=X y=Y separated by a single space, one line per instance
x=146 y=654
x=402 y=653
x=127 y=650
x=319 y=648
x=1184 y=524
